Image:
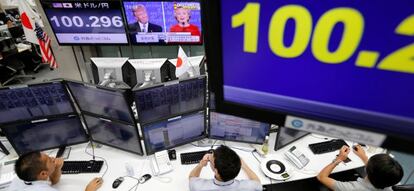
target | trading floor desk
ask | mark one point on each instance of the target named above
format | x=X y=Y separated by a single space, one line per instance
x=177 y=180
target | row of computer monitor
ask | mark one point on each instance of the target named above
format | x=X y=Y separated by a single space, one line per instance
x=158 y=136
x=136 y=72
x=46 y=115
x=157 y=102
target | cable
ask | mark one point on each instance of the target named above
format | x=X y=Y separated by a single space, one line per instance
x=270 y=186
x=409 y=176
x=93 y=155
x=255 y=156
x=135 y=185
x=319 y=137
x=213 y=144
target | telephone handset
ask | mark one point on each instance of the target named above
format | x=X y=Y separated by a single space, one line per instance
x=161 y=164
x=296 y=157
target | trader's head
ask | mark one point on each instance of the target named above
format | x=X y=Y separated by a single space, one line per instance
x=225 y=163
x=383 y=171
x=34 y=166
x=182 y=15
x=140 y=13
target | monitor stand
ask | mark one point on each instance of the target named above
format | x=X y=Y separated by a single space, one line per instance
x=4 y=149
x=63 y=152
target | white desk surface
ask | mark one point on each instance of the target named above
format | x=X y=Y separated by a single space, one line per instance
x=179 y=176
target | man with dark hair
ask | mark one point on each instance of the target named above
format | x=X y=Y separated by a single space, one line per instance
x=37 y=172
x=142 y=23
x=226 y=165
x=382 y=172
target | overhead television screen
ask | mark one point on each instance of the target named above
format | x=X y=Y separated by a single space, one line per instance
x=338 y=62
x=86 y=22
x=163 y=22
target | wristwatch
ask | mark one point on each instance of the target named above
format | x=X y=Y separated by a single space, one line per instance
x=336 y=161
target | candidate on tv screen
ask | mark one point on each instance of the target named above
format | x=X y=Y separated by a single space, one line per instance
x=163 y=22
x=86 y=22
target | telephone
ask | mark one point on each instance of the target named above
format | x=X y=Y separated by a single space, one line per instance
x=161 y=164
x=296 y=157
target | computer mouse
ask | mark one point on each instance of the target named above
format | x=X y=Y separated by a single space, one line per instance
x=117 y=182
x=144 y=178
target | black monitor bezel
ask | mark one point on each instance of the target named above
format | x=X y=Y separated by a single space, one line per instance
x=47 y=120
x=149 y=151
x=276 y=148
x=174 y=82
x=164 y=44
x=213 y=46
x=88 y=44
x=110 y=145
x=122 y=91
x=224 y=139
x=45 y=116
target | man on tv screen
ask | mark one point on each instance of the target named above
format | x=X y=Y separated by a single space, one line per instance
x=142 y=24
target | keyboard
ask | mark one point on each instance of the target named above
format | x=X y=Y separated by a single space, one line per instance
x=327 y=146
x=192 y=157
x=76 y=167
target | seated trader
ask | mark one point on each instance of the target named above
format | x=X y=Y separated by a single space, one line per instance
x=225 y=164
x=37 y=171
x=382 y=172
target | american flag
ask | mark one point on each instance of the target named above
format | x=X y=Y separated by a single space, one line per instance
x=44 y=43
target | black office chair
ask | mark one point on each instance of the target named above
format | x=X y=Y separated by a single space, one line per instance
x=405 y=187
x=5 y=74
x=17 y=68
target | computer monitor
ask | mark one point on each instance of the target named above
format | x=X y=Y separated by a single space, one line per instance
x=91 y=22
x=170 y=99
x=327 y=79
x=30 y=102
x=232 y=128
x=109 y=103
x=170 y=22
x=106 y=69
x=174 y=132
x=286 y=136
x=150 y=71
x=45 y=134
x=115 y=134
x=197 y=66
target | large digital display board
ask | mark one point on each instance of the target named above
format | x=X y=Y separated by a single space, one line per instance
x=343 y=62
x=86 y=22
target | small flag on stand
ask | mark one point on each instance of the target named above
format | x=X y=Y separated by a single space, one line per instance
x=32 y=27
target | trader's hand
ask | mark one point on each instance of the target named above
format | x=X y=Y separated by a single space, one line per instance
x=59 y=163
x=359 y=151
x=205 y=159
x=94 y=184
x=343 y=153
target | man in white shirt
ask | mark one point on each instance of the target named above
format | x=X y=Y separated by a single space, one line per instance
x=382 y=172
x=37 y=171
x=226 y=165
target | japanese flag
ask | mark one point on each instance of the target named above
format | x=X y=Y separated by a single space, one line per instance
x=182 y=65
x=28 y=17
